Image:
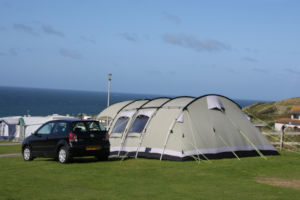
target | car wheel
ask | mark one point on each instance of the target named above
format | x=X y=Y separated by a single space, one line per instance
x=63 y=155
x=27 y=154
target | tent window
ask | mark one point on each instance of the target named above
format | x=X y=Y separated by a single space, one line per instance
x=120 y=125
x=139 y=124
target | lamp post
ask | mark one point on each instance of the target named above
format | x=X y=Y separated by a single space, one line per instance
x=108 y=92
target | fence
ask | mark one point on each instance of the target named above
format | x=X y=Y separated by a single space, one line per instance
x=284 y=140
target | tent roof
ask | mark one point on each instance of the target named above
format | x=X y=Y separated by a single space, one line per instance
x=36 y=120
x=115 y=108
x=211 y=95
x=136 y=104
x=179 y=102
x=155 y=103
x=11 y=120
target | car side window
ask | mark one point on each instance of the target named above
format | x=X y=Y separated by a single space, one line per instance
x=60 y=127
x=46 y=129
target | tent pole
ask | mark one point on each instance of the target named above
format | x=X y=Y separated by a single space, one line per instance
x=166 y=140
x=132 y=119
x=167 y=137
x=124 y=136
x=191 y=127
x=142 y=136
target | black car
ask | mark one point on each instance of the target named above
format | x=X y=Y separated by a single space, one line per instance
x=65 y=139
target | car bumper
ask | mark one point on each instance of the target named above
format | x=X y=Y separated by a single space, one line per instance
x=88 y=150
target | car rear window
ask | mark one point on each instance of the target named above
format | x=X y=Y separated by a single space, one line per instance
x=87 y=126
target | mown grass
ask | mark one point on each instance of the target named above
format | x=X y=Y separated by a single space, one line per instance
x=6 y=141
x=148 y=179
x=6 y=149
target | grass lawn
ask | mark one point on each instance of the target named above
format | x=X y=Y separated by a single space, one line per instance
x=10 y=149
x=86 y=179
x=6 y=141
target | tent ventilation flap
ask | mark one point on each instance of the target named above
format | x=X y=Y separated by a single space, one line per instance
x=213 y=102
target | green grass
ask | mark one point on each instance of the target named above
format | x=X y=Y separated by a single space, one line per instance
x=148 y=179
x=5 y=149
x=6 y=141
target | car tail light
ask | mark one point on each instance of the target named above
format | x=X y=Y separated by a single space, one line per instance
x=106 y=135
x=72 y=137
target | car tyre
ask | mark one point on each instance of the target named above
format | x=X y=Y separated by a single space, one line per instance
x=63 y=155
x=27 y=154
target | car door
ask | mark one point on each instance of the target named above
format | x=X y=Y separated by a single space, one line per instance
x=39 y=143
x=59 y=132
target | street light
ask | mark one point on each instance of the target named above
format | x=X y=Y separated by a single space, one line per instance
x=108 y=92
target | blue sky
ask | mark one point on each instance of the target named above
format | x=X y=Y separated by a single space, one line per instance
x=240 y=49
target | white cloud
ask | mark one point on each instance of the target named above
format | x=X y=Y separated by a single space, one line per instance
x=70 y=53
x=292 y=71
x=172 y=18
x=250 y=59
x=87 y=39
x=51 y=31
x=24 y=28
x=193 y=43
x=129 y=36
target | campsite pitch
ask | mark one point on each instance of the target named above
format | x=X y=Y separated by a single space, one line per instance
x=10 y=148
x=251 y=178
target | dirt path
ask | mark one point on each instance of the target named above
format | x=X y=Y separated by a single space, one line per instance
x=9 y=144
x=279 y=182
x=10 y=155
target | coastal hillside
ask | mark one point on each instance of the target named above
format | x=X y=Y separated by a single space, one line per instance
x=268 y=112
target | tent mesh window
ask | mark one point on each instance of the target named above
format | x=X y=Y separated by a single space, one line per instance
x=120 y=125
x=139 y=124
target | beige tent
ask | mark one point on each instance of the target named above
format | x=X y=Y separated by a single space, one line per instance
x=183 y=128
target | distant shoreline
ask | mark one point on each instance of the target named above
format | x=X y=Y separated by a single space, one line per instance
x=20 y=101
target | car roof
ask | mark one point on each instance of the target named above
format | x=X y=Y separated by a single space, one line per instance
x=73 y=120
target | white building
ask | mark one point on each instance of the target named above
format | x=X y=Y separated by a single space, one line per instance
x=293 y=122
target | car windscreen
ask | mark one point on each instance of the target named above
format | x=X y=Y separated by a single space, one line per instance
x=87 y=126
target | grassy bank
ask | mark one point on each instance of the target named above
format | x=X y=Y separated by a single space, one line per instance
x=271 y=111
x=250 y=178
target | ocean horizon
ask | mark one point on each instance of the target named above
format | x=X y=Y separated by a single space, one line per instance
x=17 y=101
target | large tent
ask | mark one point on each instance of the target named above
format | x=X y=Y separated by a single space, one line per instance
x=183 y=128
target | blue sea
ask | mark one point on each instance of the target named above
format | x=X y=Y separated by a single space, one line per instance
x=41 y=102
